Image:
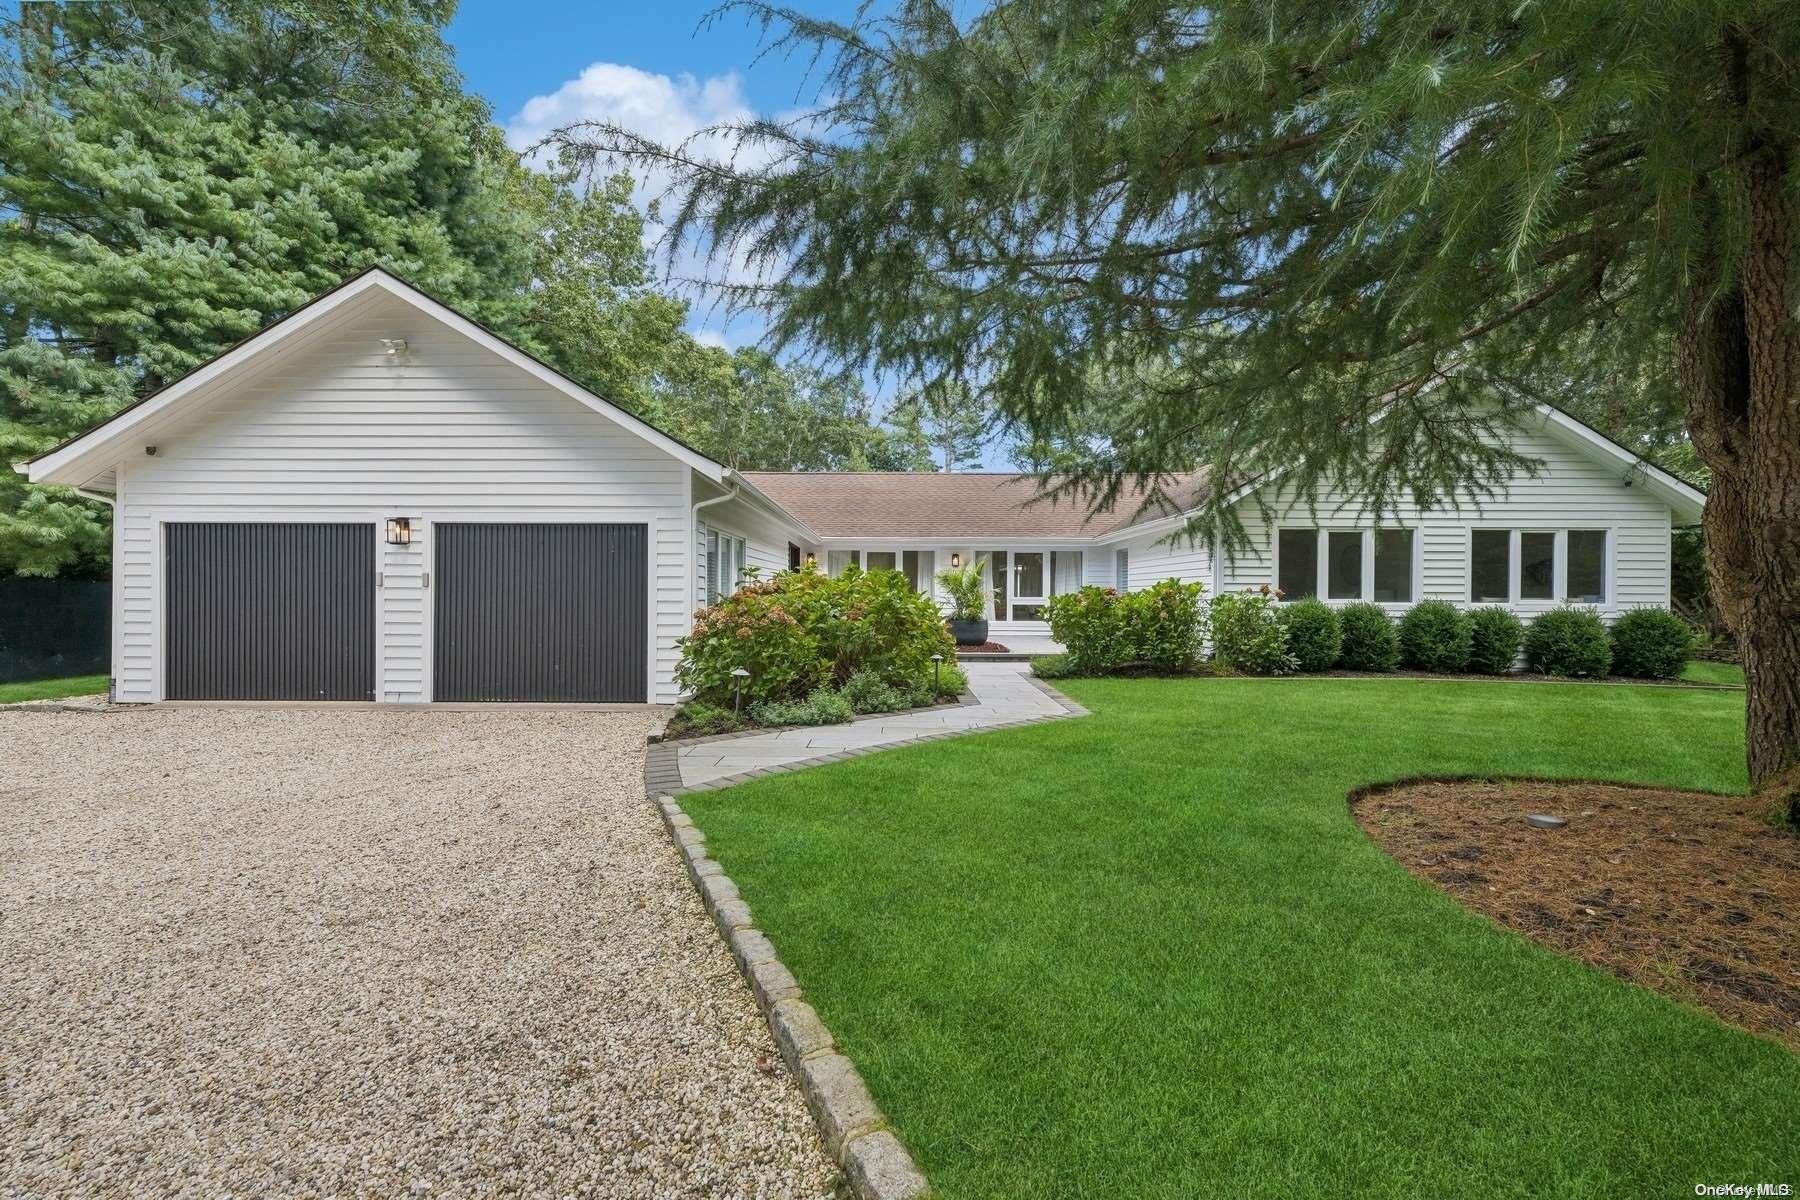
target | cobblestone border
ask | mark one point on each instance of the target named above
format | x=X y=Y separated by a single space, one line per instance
x=857 y=1136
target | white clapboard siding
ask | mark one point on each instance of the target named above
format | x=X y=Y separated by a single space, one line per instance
x=446 y=432
x=1572 y=491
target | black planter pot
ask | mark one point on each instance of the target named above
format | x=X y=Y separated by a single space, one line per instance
x=969 y=633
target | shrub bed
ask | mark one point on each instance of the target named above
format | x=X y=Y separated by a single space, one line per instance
x=1369 y=641
x=1650 y=643
x=1435 y=636
x=817 y=651
x=1160 y=628
x=1568 y=641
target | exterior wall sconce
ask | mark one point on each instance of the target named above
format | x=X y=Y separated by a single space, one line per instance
x=399 y=531
x=955 y=560
x=812 y=560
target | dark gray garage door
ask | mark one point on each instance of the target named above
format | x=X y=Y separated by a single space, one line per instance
x=541 y=612
x=270 y=611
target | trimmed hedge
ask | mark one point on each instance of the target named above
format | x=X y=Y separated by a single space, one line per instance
x=1314 y=637
x=1495 y=635
x=1369 y=641
x=1650 y=643
x=1568 y=641
x=1249 y=635
x=1435 y=636
x=1161 y=627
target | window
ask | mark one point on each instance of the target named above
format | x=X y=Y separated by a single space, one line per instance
x=1490 y=565
x=1122 y=570
x=839 y=561
x=1028 y=585
x=882 y=560
x=725 y=558
x=1297 y=552
x=1393 y=566
x=1587 y=566
x=1537 y=566
x=1065 y=572
x=920 y=567
x=996 y=560
x=1343 y=564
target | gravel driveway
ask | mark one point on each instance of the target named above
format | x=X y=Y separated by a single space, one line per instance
x=343 y=952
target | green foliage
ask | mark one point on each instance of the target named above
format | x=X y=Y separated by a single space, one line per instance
x=801 y=630
x=1650 y=643
x=757 y=629
x=867 y=692
x=1494 y=637
x=822 y=707
x=1435 y=636
x=1249 y=636
x=1314 y=636
x=952 y=681
x=1568 y=641
x=1164 y=625
x=1089 y=623
x=967 y=588
x=1370 y=641
x=697 y=718
x=1054 y=666
x=949 y=420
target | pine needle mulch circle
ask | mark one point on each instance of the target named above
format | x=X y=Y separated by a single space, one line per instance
x=1691 y=894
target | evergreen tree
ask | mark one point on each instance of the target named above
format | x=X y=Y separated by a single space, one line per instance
x=949 y=420
x=1334 y=233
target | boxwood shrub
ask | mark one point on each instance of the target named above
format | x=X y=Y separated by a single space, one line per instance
x=1650 y=643
x=1369 y=641
x=1435 y=636
x=1495 y=635
x=1314 y=637
x=1568 y=641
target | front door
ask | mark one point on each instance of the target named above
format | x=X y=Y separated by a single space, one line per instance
x=1030 y=584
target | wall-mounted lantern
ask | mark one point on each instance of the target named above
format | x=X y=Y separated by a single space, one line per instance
x=399 y=531
x=812 y=560
x=955 y=560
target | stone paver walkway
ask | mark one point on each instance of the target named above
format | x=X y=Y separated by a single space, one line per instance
x=1005 y=694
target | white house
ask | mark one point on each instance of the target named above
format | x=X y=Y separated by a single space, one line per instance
x=376 y=499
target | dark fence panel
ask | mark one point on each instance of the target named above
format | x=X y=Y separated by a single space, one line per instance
x=51 y=628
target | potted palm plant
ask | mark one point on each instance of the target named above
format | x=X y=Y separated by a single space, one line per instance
x=968 y=602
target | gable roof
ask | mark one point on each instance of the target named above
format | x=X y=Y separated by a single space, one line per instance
x=930 y=504
x=80 y=458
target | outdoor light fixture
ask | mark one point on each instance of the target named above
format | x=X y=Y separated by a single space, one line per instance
x=955 y=559
x=812 y=560
x=738 y=675
x=399 y=531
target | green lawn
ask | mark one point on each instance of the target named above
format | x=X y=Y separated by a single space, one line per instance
x=1148 y=954
x=1698 y=671
x=52 y=689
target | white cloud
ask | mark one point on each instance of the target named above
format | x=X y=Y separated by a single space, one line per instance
x=712 y=337
x=668 y=110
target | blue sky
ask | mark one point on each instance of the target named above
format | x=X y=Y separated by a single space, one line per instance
x=647 y=65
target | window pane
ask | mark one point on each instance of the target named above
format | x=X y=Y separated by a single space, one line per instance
x=1587 y=566
x=1298 y=553
x=996 y=560
x=882 y=560
x=1122 y=571
x=1343 y=560
x=1537 y=566
x=1393 y=566
x=1028 y=612
x=837 y=560
x=1065 y=572
x=1028 y=576
x=1491 y=565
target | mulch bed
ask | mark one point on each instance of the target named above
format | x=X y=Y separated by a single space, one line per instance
x=1692 y=894
x=983 y=648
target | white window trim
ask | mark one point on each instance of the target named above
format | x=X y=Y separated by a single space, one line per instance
x=731 y=554
x=1323 y=551
x=1559 y=569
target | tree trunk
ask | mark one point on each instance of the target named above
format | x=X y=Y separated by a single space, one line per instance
x=1739 y=361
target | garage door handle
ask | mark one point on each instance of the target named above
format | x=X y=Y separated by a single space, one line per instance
x=424 y=579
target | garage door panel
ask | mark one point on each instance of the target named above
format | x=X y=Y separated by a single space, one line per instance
x=541 y=612
x=269 y=611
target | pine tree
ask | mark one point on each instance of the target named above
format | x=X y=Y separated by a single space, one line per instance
x=1330 y=235
x=950 y=420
